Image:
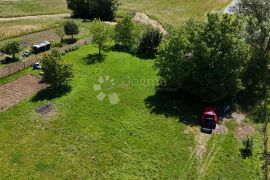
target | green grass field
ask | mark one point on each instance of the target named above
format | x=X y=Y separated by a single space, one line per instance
x=173 y=13
x=12 y=8
x=84 y=138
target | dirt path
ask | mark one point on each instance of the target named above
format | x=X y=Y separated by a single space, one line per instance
x=229 y=9
x=144 y=19
x=12 y=93
x=53 y=16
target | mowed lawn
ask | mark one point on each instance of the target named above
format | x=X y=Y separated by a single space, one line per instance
x=86 y=138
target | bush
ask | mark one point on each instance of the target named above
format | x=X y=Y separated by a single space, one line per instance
x=150 y=41
x=55 y=72
x=248 y=147
x=90 y=9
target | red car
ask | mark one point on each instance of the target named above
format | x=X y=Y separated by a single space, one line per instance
x=209 y=118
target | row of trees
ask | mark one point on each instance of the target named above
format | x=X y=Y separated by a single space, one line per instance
x=126 y=35
x=90 y=9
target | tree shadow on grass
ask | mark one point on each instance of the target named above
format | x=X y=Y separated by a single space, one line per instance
x=251 y=101
x=94 y=58
x=51 y=93
x=69 y=41
x=176 y=104
x=146 y=56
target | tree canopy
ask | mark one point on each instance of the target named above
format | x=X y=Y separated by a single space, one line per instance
x=100 y=34
x=205 y=59
x=55 y=72
x=90 y=9
x=125 y=33
x=11 y=48
x=257 y=15
x=71 y=28
x=150 y=41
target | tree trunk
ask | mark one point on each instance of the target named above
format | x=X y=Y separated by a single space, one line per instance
x=99 y=50
x=13 y=56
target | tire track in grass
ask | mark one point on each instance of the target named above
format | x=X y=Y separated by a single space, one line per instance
x=209 y=158
x=189 y=163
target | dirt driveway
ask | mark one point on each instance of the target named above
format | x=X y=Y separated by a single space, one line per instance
x=13 y=92
x=52 y=16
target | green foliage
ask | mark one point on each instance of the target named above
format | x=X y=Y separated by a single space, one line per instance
x=150 y=41
x=206 y=60
x=11 y=48
x=55 y=72
x=257 y=15
x=71 y=28
x=100 y=34
x=126 y=34
x=90 y=9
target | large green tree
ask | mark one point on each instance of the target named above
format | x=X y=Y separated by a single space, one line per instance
x=90 y=9
x=55 y=72
x=126 y=33
x=257 y=15
x=205 y=59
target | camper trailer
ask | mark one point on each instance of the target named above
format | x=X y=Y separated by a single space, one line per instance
x=44 y=46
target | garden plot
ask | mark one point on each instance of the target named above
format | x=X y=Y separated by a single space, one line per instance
x=13 y=92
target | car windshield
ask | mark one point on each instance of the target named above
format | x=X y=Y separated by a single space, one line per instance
x=208 y=118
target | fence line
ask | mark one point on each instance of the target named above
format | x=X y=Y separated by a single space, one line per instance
x=18 y=66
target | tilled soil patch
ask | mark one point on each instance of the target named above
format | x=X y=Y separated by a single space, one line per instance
x=12 y=93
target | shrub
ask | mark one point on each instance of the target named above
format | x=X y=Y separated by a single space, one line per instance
x=150 y=41
x=248 y=147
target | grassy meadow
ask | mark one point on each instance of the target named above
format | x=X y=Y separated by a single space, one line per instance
x=173 y=13
x=13 y=8
x=84 y=138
